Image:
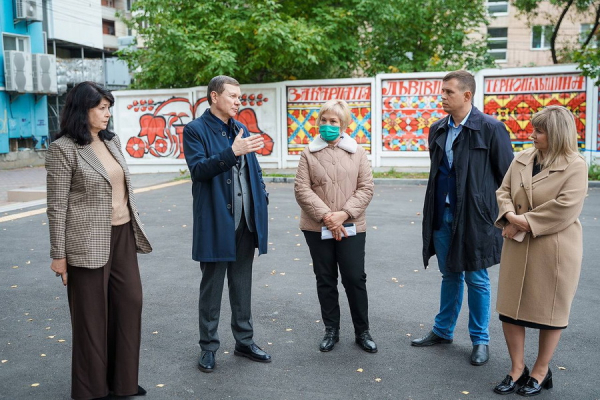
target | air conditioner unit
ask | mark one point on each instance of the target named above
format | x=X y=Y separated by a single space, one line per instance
x=30 y=10
x=126 y=42
x=17 y=71
x=44 y=73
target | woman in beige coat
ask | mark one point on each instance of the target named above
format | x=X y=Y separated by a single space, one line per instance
x=540 y=200
x=334 y=186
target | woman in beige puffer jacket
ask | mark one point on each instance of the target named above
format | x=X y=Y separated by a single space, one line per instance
x=333 y=187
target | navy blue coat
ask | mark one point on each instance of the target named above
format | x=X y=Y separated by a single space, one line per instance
x=210 y=160
x=482 y=155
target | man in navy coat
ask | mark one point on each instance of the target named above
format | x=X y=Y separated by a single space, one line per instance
x=470 y=153
x=230 y=217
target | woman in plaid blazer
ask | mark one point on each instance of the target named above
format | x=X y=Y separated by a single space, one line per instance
x=95 y=233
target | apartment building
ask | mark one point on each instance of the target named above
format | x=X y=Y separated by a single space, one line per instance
x=516 y=42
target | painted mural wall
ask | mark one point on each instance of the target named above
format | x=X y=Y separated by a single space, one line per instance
x=409 y=107
x=514 y=99
x=303 y=103
x=150 y=123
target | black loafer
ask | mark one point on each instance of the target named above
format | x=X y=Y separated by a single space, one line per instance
x=508 y=386
x=332 y=336
x=533 y=388
x=429 y=340
x=480 y=354
x=365 y=341
x=206 y=363
x=252 y=352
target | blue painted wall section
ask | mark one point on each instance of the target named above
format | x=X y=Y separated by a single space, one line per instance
x=27 y=115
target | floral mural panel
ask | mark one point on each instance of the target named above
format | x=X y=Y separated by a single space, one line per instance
x=304 y=103
x=409 y=107
x=514 y=100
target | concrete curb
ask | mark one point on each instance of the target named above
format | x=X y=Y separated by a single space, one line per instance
x=386 y=181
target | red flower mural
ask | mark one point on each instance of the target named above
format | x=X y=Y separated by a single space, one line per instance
x=136 y=147
x=161 y=132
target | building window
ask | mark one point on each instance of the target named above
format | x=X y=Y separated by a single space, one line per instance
x=497 y=43
x=18 y=43
x=540 y=37
x=497 y=7
x=108 y=3
x=128 y=5
x=585 y=32
x=108 y=27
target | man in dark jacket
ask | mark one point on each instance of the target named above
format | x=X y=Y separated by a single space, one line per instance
x=230 y=217
x=470 y=153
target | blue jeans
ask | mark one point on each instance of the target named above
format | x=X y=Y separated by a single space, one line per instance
x=453 y=283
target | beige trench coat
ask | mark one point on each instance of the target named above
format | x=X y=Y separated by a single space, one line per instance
x=539 y=276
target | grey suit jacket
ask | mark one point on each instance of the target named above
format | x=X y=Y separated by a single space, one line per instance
x=79 y=200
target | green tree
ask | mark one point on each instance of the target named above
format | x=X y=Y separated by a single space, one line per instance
x=185 y=43
x=567 y=50
x=188 y=42
x=429 y=35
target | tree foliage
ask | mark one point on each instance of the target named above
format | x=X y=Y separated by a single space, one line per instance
x=567 y=50
x=185 y=43
x=429 y=35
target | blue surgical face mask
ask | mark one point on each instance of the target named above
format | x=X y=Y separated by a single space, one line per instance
x=329 y=132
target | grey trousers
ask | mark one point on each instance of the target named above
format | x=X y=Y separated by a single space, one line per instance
x=239 y=281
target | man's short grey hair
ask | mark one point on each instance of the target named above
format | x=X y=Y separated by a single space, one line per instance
x=217 y=84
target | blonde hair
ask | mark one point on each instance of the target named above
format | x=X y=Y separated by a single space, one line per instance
x=341 y=109
x=559 y=126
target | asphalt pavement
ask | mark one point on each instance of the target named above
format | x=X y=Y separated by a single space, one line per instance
x=35 y=333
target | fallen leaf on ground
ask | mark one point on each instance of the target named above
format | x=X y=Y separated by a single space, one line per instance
x=464 y=392
x=416 y=270
x=562 y=368
x=317 y=321
x=266 y=285
x=28 y=262
x=296 y=259
x=377 y=379
x=273 y=272
x=288 y=329
x=269 y=343
x=15 y=267
x=4 y=361
x=408 y=334
x=401 y=285
x=359 y=370
x=282 y=273
x=394 y=280
x=14 y=286
x=155 y=332
x=374 y=227
x=35 y=384
x=160 y=385
x=47 y=328
x=225 y=352
x=42 y=355
x=61 y=340
x=51 y=337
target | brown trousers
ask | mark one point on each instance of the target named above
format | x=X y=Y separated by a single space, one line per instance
x=106 y=316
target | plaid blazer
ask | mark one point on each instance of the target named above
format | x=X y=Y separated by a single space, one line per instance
x=79 y=201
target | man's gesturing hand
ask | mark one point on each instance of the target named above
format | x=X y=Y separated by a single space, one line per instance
x=247 y=145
